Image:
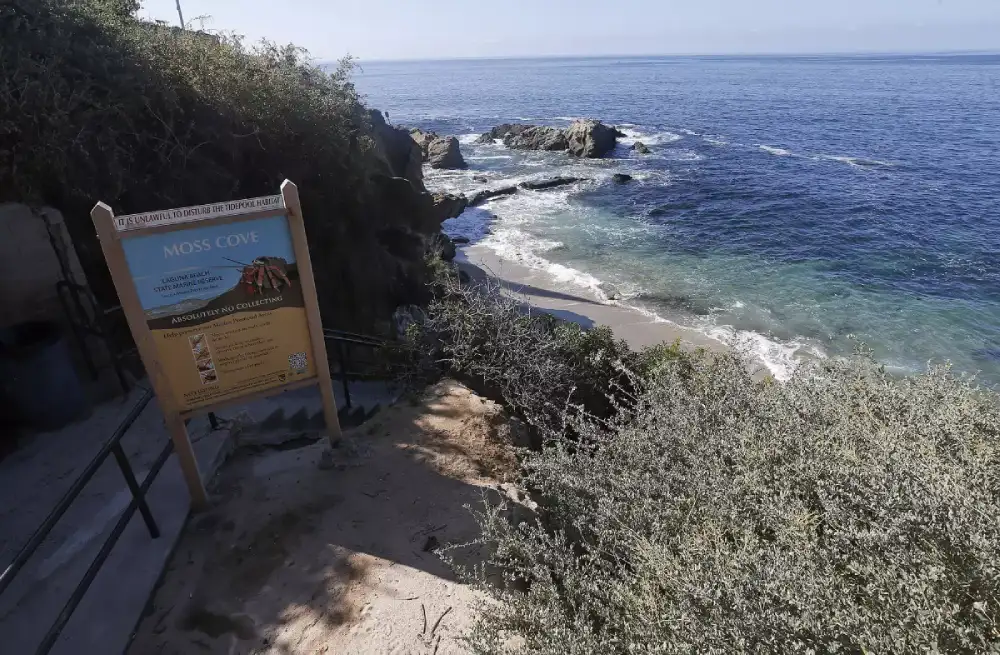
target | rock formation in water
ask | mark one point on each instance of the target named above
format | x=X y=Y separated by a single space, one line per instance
x=591 y=139
x=487 y=194
x=640 y=148
x=539 y=185
x=439 y=151
x=584 y=138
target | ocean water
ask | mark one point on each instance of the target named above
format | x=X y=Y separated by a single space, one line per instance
x=799 y=204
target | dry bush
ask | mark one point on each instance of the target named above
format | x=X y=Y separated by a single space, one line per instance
x=536 y=365
x=844 y=511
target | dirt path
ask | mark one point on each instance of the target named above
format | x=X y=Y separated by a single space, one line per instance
x=304 y=553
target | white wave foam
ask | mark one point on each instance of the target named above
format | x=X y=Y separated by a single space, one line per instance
x=685 y=155
x=512 y=234
x=716 y=142
x=774 y=150
x=474 y=224
x=857 y=162
x=511 y=240
x=518 y=246
x=781 y=359
x=648 y=138
x=487 y=157
x=468 y=139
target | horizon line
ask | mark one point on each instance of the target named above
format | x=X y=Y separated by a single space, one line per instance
x=853 y=53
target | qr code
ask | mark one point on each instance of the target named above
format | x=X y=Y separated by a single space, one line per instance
x=297 y=362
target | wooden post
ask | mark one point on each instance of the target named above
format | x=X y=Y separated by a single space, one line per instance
x=114 y=254
x=290 y=196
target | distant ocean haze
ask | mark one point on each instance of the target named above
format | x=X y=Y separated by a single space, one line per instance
x=802 y=205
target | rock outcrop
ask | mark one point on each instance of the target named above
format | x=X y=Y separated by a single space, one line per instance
x=501 y=132
x=449 y=205
x=444 y=246
x=591 y=139
x=550 y=184
x=445 y=153
x=487 y=194
x=584 y=138
x=640 y=148
x=398 y=149
x=439 y=151
x=537 y=138
x=621 y=178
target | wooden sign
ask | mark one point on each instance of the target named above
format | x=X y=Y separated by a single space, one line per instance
x=222 y=304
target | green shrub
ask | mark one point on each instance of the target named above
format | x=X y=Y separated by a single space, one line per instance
x=539 y=366
x=98 y=105
x=844 y=511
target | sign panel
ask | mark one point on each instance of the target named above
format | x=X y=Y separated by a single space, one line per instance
x=225 y=307
x=196 y=213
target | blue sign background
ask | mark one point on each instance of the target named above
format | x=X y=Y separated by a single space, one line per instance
x=173 y=267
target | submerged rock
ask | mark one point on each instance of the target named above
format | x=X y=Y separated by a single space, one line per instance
x=550 y=184
x=621 y=178
x=486 y=194
x=640 y=148
x=610 y=291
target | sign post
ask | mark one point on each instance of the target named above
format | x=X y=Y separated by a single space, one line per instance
x=221 y=302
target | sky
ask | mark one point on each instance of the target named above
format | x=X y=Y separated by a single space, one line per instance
x=440 y=29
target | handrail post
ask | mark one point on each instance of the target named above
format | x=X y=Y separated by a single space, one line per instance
x=137 y=494
x=342 y=356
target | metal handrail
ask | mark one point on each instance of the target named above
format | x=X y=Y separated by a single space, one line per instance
x=74 y=600
x=352 y=337
x=111 y=447
x=342 y=340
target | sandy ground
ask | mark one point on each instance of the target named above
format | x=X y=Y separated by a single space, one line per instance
x=537 y=289
x=307 y=553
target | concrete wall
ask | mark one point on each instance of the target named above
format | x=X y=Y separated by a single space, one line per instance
x=29 y=268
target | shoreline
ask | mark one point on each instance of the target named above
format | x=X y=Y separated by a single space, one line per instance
x=537 y=289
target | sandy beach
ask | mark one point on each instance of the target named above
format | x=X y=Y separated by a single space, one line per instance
x=538 y=289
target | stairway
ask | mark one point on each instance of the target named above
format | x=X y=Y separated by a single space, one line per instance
x=295 y=418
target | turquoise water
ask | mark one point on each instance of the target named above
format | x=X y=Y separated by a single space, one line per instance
x=799 y=204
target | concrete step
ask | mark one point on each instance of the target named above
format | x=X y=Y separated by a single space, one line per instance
x=298 y=415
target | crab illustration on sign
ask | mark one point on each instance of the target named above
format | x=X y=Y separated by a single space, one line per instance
x=264 y=273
